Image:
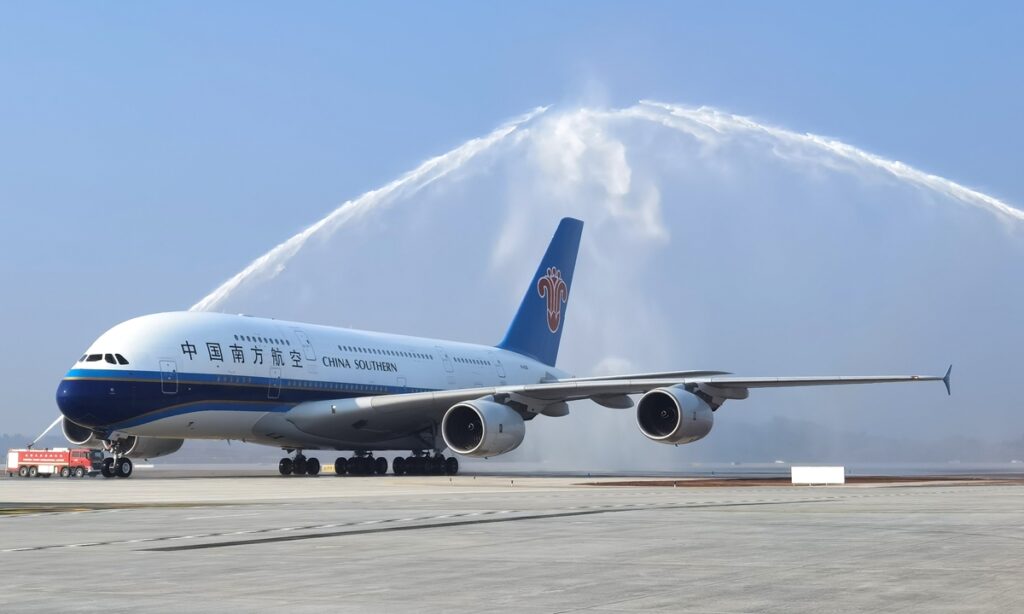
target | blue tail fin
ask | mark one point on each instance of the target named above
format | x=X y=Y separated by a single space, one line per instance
x=537 y=327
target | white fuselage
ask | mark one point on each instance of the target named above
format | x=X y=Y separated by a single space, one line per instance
x=216 y=376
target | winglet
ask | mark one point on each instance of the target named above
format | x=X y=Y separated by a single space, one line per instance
x=945 y=379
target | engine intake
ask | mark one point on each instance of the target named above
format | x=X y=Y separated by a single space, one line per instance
x=79 y=435
x=482 y=429
x=673 y=415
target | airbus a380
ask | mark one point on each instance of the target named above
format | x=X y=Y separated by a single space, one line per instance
x=149 y=383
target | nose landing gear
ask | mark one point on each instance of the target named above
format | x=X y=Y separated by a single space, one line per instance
x=116 y=466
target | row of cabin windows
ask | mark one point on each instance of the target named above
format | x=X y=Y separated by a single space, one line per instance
x=395 y=353
x=304 y=384
x=257 y=339
x=472 y=361
x=333 y=386
x=114 y=359
x=234 y=380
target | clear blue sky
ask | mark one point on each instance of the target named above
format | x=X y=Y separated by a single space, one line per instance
x=150 y=150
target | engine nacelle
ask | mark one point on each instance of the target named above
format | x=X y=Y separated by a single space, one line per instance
x=673 y=415
x=80 y=435
x=482 y=428
x=149 y=447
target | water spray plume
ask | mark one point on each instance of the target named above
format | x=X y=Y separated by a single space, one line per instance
x=706 y=124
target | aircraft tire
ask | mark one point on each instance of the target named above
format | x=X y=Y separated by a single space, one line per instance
x=451 y=466
x=313 y=467
x=123 y=469
x=299 y=465
x=380 y=465
x=341 y=465
x=398 y=465
x=285 y=466
x=108 y=467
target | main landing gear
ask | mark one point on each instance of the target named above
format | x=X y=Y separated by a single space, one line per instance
x=364 y=463
x=421 y=463
x=361 y=463
x=299 y=466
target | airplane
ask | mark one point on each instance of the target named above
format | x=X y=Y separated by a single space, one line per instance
x=149 y=383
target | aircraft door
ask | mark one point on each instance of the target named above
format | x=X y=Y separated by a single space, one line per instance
x=307 y=346
x=446 y=360
x=168 y=377
x=499 y=368
x=274 y=388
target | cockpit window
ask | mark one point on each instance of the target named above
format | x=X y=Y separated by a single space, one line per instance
x=121 y=360
x=94 y=358
x=82 y=359
x=109 y=358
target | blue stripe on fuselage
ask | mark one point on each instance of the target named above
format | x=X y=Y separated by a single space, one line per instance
x=109 y=399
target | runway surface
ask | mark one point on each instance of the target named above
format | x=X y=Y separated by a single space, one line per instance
x=523 y=544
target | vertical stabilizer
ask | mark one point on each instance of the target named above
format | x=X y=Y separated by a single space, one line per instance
x=537 y=327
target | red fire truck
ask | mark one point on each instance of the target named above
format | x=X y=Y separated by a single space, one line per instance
x=76 y=462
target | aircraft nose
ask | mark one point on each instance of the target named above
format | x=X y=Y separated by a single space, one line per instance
x=81 y=402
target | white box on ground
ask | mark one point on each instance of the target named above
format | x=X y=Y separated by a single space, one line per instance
x=818 y=475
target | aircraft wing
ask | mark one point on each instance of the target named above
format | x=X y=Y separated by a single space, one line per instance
x=732 y=386
x=385 y=412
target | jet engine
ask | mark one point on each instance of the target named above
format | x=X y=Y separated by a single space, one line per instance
x=673 y=415
x=482 y=428
x=132 y=447
x=80 y=435
x=149 y=447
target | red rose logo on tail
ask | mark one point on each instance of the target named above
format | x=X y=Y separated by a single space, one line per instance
x=552 y=287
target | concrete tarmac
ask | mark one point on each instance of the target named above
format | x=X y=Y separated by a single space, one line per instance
x=506 y=544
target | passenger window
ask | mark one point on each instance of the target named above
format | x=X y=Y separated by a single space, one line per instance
x=121 y=360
